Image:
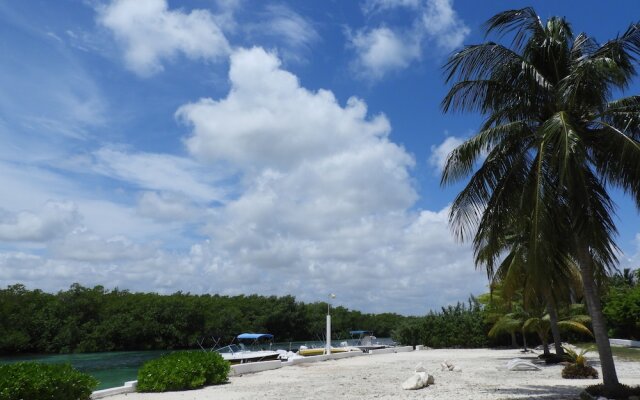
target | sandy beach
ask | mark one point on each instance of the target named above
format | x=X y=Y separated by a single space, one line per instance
x=484 y=376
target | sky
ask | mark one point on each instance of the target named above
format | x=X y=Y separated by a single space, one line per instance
x=239 y=146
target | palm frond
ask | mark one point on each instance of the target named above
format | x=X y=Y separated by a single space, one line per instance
x=523 y=22
x=617 y=158
x=574 y=326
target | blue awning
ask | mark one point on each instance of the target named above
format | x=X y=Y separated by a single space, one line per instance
x=255 y=336
x=361 y=332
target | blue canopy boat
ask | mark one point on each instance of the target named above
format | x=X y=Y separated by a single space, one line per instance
x=243 y=352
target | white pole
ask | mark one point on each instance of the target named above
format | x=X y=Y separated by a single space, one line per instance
x=328 y=344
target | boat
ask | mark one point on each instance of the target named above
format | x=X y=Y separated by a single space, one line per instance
x=365 y=341
x=242 y=352
x=303 y=351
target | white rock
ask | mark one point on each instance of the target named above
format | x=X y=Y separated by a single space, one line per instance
x=416 y=381
x=443 y=366
x=420 y=368
x=457 y=369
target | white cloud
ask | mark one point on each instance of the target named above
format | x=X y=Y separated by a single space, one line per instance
x=385 y=49
x=325 y=201
x=225 y=14
x=150 y=33
x=269 y=121
x=82 y=245
x=297 y=32
x=372 y=6
x=440 y=153
x=381 y=50
x=166 y=207
x=163 y=172
x=28 y=188
x=443 y=24
x=54 y=219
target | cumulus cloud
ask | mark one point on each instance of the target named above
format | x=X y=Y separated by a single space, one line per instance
x=269 y=121
x=150 y=32
x=443 y=24
x=326 y=198
x=440 y=153
x=383 y=49
x=54 y=219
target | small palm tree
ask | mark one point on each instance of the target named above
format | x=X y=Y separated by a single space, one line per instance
x=509 y=323
x=552 y=142
x=541 y=325
x=499 y=311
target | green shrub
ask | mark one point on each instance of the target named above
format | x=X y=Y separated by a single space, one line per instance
x=408 y=333
x=622 y=309
x=36 y=381
x=575 y=371
x=578 y=369
x=181 y=371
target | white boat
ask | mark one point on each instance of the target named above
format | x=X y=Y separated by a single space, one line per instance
x=366 y=341
x=240 y=353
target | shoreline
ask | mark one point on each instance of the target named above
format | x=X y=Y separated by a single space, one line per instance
x=484 y=376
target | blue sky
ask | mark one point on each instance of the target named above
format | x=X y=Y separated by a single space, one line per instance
x=237 y=146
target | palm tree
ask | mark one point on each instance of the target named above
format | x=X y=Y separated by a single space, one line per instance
x=509 y=323
x=555 y=279
x=539 y=321
x=500 y=311
x=551 y=143
x=627 y=277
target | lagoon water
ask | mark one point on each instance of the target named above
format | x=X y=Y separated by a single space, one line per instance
x=111 y=369
x=115 y=368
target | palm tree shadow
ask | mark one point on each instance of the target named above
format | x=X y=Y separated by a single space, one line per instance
x=557 y=392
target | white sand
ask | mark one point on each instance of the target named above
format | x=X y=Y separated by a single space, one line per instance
x=483 y=376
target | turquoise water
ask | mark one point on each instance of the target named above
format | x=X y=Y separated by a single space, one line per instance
x=115 y=368
x=111 y=369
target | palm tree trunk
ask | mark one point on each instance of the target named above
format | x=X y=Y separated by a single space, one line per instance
x=598 y=322
x=555 y=331
x=545 y=343
x=524 y=340
x=545 y=346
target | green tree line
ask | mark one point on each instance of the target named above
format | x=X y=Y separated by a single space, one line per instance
x=463 y=325
x=95 y=319
x=491 y=319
